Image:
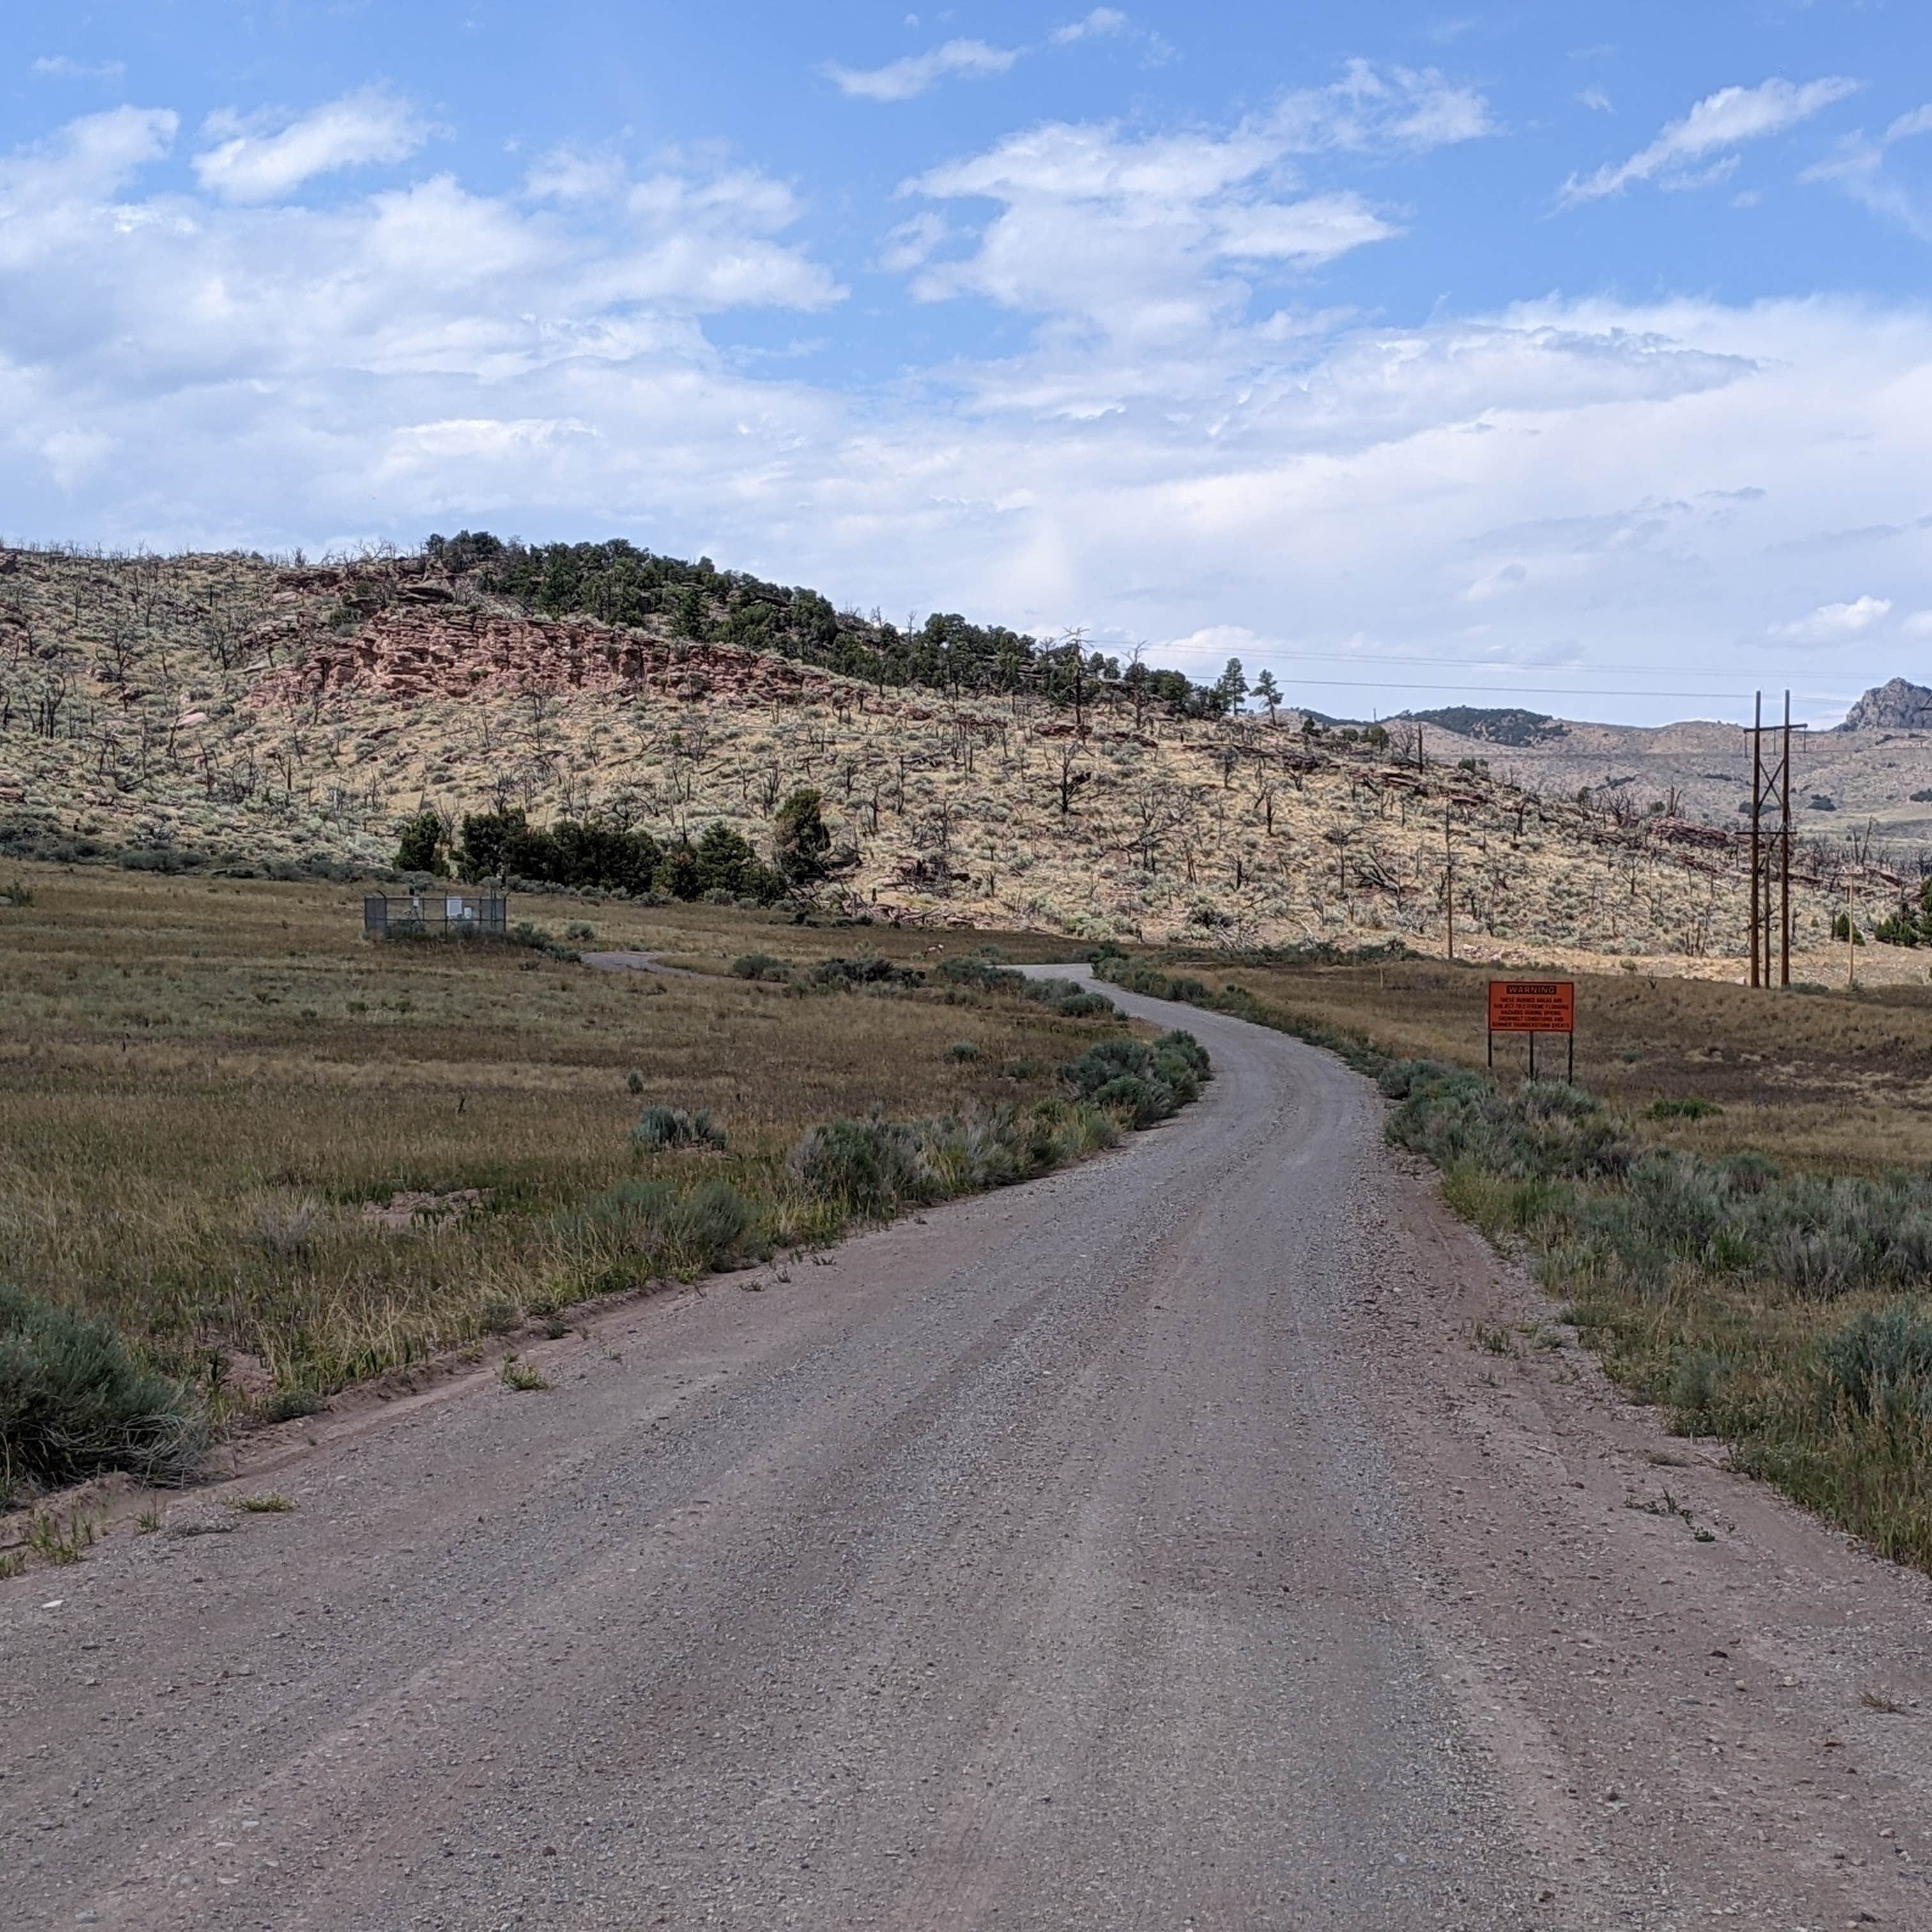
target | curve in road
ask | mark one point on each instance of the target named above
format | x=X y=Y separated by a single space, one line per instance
x=1147 y=1546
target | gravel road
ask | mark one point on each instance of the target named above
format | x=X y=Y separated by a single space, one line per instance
x=1151 y=1546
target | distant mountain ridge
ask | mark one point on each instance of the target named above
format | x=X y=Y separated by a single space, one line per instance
x=1506 y=725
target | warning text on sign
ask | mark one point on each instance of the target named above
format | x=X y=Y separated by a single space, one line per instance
x=1532 y=1006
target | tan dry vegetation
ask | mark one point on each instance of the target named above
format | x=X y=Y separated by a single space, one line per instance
x=207 y=1086
x=1828 y=1081
x=227 y=711
x=1780 y=1305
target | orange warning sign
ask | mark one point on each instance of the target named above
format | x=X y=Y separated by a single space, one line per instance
x=1532 y=1006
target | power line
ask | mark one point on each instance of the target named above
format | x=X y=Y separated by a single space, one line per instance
x=1498 y=664
x=1490 y=691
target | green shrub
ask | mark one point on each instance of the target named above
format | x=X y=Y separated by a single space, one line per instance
x=75 y=1401
x=1067 y=998
x=965 y=1051
x=18 y=894
x=1880 y=1366
x=288 y=1405
x=523 y=933
x=1683 y=1110
x=1147 y=1082
x=844 y=975
x=673 y=1127
x=579 y=930
x=760 y=966
x=873 y=1167
x=661 y=1229
x=981 y=970
x=710 y=1223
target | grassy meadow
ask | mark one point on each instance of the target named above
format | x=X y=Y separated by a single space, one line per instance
x=277 y=1157
x=1736 y=1209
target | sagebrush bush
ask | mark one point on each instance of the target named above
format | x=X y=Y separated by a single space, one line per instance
x=877 y=1167
x=760 y=966
x=673 y=1127
x=1147 y=1083
x=1880 y=1366
x=655 y=1227
x=873 y=1167
x=847 y=975
x=75 y=1401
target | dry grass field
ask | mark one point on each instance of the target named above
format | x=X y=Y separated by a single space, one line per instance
x=219 y=1105
x=1828 y=1081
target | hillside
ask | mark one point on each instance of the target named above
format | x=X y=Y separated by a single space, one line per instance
x=229 y=712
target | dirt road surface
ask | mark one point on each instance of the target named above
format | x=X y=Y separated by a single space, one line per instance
x=1152 y=1546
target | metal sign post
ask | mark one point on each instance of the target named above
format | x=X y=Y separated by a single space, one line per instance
x=1535 y=1007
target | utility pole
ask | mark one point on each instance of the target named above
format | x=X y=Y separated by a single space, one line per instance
x=1771 y=782
x=1784 y=858
x=1449 y=878
x=1757 y=809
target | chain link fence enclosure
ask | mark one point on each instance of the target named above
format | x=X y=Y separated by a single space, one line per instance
x=442 y=914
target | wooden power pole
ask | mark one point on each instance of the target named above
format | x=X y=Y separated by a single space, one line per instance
x=1770 y=784
x=1784 y=856
x=1756 y=843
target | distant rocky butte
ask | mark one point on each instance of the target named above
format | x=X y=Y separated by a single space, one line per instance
x=1899 y=706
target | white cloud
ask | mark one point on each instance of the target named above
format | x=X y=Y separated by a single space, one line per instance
x=1145 y=240
x=906 y=79
x=1596 y=101
x=1709 y=135
x=1101 y=22
x=1314 y=230
x=911 y=244
x=61 y=66
x=1653 y=482
x=1833 y=623
x=1918 y=625
x=87 y=163
x=361 y=130
x=1858 y=167
x=1367 y=111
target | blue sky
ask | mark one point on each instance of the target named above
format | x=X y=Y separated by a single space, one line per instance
x=1574 y=356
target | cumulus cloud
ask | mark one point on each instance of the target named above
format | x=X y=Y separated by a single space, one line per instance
x=906 y=79
x=1833 y=623
x=251 y=164
x=1596 y=101
x=177 y=368
x=84 y=166
x=1703 y=145
x=1146 y=240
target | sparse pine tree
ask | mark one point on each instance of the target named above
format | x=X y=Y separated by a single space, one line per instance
x=1268 y=692
x=1231 y=687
